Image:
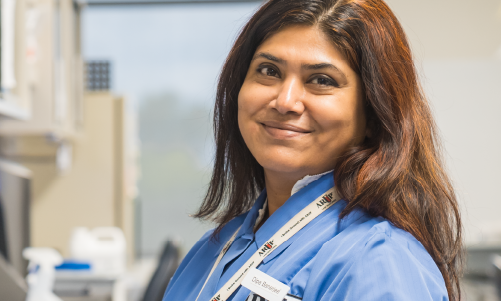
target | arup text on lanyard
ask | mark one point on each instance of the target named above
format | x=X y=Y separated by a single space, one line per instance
x=303 y=218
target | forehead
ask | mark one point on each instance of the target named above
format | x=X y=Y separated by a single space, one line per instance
x=305 y=44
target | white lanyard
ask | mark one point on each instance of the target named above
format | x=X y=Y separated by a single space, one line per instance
x=303 y=218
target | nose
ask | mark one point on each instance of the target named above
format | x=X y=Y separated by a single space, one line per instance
x=290 y=97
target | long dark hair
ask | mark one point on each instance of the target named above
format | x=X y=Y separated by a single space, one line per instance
x=397 y=173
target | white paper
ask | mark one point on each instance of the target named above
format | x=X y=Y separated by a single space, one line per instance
x=64 y=157
x=8 y=43
x=265 y=285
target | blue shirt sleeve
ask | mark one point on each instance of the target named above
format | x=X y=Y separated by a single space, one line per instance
x=385 y=265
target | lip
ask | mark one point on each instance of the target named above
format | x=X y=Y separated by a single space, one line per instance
x=280 y=130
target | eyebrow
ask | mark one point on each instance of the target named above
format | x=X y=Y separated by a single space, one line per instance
x=318 y=66
x=269 y=57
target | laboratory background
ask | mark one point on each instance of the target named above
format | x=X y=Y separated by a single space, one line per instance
x=106 y=139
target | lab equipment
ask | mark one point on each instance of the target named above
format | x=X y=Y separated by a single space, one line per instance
x=103 y=247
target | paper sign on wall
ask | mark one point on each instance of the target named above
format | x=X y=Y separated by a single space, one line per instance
x=7 y=19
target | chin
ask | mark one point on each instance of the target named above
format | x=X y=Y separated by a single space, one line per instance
x=283 y=164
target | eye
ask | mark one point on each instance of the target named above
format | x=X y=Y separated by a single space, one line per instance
x=324 y=81
x=268 y=71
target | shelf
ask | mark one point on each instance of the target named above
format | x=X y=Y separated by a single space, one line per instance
x=15 y=168
x=9 y=110
x=54 y=133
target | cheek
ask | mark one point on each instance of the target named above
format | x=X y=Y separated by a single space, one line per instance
x=243 y=104
x=330 y=112
x=247 y=107
x=341 y=117
x=253 y=100
x=254 y=95
x=359 y=119
x=244 y=99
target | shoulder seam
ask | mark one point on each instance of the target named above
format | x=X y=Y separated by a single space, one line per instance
x=377 y=232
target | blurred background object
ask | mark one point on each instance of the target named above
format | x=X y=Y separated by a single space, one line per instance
x=166 y=268
x=98 y=75
x=42 y=275
x=105 y=121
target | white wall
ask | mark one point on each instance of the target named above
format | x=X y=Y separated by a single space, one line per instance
x=457 y=44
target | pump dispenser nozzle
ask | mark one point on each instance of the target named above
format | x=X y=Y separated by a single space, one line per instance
x=41 y=280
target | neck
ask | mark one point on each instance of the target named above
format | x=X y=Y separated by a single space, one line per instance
x=278 y=189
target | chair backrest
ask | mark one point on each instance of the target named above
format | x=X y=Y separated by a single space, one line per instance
x=169 y=261
x=496 y=262
x=3 y=233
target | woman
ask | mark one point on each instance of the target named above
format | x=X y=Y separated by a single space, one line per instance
x=316 y=92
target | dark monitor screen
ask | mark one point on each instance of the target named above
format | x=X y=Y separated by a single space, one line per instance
x=15 y=213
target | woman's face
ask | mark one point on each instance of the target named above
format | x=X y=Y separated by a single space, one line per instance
x=301 y=104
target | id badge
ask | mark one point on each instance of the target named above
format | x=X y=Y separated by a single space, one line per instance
x=266 y=288
x=255 y=297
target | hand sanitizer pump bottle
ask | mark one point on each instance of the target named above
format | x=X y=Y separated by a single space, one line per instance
x=42 y=273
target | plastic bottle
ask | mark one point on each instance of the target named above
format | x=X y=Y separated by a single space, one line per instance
x=42 y=273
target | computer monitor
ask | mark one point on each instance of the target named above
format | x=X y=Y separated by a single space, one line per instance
x=12 y=285
x=15 y=228
x=15 y=203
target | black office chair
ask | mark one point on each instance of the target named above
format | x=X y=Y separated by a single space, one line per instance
x=496 y=262
x=3 y=233
x=169 y=261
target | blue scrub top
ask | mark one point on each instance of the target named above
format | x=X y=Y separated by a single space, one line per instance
x=357 y=258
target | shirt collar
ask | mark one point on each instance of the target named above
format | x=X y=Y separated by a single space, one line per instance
x=317 y=185
x=307 y=180
x=247 y=229
x=300 y=198
x=298 y=186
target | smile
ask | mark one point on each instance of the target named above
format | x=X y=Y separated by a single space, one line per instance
x=279 y=130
